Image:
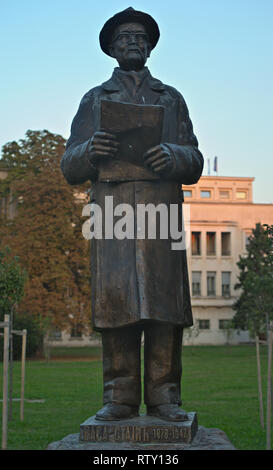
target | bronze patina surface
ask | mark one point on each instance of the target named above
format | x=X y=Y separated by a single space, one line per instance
x=138 y=285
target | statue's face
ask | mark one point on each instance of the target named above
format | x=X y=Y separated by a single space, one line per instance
x=130 y=46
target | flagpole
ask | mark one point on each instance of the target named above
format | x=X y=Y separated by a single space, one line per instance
x=215 y=166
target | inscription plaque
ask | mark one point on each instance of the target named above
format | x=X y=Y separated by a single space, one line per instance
x=144 y=429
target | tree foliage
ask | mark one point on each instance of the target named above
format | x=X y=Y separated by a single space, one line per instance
x=46 y=230
x=12 y=281
x=254 y=307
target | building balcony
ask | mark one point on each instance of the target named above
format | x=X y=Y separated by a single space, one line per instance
x=212 y=301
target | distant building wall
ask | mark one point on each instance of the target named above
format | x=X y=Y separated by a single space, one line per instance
x=222 y=216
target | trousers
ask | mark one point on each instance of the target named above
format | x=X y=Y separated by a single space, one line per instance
x=162 y=364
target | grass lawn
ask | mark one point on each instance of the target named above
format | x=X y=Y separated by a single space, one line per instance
x=219 y=383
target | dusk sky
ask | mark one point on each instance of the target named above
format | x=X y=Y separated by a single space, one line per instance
x=217 y=53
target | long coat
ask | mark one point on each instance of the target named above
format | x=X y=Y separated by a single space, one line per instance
x=136 y=279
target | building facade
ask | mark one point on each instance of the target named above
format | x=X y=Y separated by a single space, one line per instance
x=222 y=216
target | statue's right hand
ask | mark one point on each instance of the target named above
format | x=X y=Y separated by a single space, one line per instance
x=102 y=145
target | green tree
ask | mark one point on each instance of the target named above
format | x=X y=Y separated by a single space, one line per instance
x=254 y=307
x=12 y=281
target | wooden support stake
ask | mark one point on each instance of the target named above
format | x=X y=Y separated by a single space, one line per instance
x=24 y=342
x=259 y=382
x=269 y=380
x=10 y=365
x=5 y=383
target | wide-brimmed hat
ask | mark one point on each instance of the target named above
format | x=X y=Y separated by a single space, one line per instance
x=126 y=16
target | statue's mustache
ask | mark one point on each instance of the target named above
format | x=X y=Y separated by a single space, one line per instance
x=133 y=49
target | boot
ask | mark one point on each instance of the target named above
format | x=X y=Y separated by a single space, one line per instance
x=115 y=412
x=168 y=412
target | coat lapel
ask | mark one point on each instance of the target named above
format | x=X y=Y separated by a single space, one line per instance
x=151 y=89
x=154 y=90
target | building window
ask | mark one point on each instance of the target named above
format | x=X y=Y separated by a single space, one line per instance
x=76 y=332
x=204 y=324
x=223 y=194
x=211 y=283
x=241 y=194
x=205 y=194
x=196 y=282
x=225 y=243
x=55 y=335
x=211 y=243
x=246 y=240
x=224 y=324
x=188 y=193
x=226 y=284
x=3 y=207
x=196 y=243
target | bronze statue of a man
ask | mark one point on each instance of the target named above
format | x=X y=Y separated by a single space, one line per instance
x=138 y=285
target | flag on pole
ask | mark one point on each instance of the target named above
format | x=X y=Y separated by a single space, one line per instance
x=215 y=164
x=208 y=166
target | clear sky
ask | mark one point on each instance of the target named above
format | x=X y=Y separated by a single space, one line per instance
x=217 y=53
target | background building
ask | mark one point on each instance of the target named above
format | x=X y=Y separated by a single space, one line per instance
x=222 y=215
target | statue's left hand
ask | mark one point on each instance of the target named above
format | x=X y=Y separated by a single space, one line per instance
x=159 y=160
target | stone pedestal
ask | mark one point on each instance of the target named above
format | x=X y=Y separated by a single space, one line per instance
x=143 y=429
x=142 y=434
x=205 y=439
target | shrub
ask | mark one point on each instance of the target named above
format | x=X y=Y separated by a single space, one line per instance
x=34 y=337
